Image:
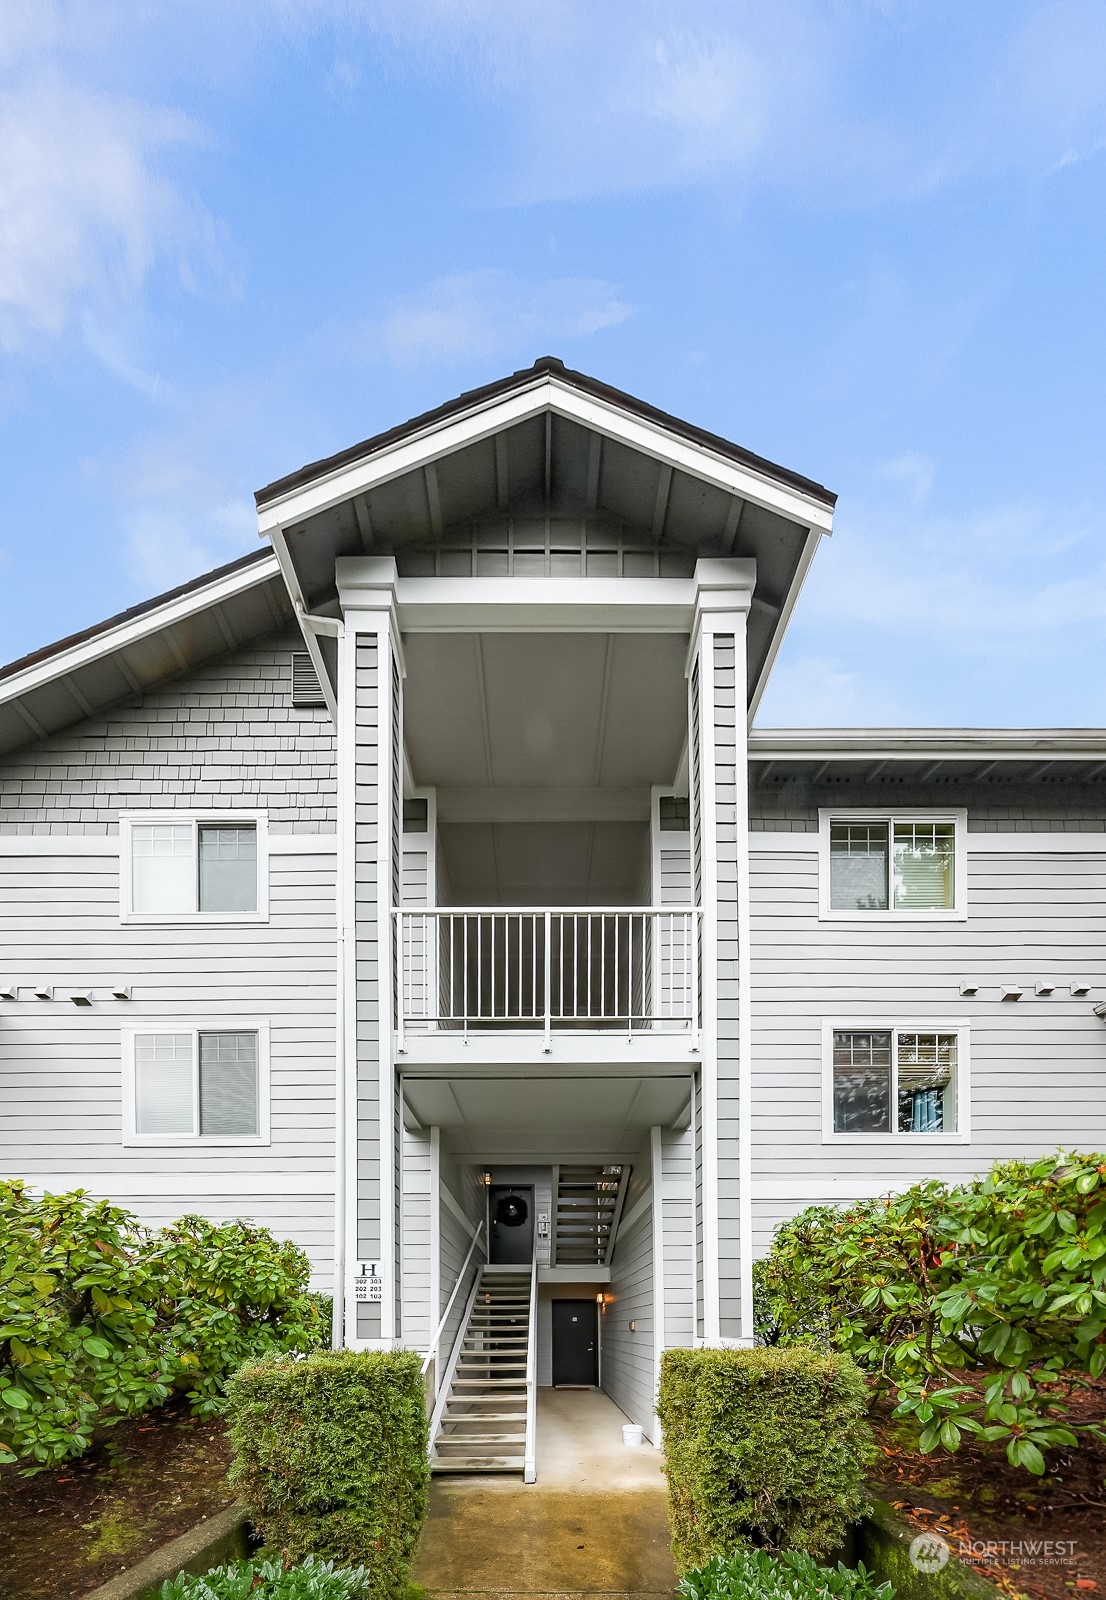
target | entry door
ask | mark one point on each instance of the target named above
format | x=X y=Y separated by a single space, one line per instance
x=575 y=1343
x=511 y=1225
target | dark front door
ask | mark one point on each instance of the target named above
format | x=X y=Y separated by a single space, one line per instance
x=575 y=1343
x=511 y=1225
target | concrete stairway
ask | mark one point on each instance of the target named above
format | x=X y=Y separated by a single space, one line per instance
x=483 y=1426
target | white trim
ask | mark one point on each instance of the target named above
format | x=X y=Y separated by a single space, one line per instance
x=194 y=1027
x=299 y=606
x=544 y=392
x=864 y=1141
x=656 y=1176
x=631 y=1218
x=212 y=1183
x=976 y=844
x=345 y=1079
x=928 y=744
x=745 y=989
x=193 y=818
x=436 y=1232
x=783 y=621
x=703 y=651
x=387 y=784
x=137 y=628
x=106 y=845
x=451 y=1203
x=958 y=912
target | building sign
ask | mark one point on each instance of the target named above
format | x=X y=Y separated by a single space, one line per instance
x=367 y=1282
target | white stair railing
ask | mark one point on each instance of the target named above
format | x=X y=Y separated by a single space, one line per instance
x=446 y=1383
x=432 y=1353
x=530 y=1456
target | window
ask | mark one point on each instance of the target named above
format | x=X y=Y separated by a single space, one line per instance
x=896 y=1081
x=186 y=1084
x=892 y=865
x=176 y=867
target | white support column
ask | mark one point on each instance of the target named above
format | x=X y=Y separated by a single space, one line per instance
x=370 y=846
x=656 y=1163
x=717 y=742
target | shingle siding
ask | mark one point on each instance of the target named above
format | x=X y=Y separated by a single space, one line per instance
x=224 y=735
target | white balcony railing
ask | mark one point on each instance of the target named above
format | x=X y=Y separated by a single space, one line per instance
x=472 y=969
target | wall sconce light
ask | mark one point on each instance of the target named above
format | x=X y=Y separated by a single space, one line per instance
x=487 y=1180
x=600 y=1299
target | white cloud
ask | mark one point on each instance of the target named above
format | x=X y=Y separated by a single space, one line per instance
x=816 y=691
x=84 y=211
x=485 y=315
x=914 y=469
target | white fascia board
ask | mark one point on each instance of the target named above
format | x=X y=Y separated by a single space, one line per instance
x=783 y=621
x=549 y=605
x=921 y=744
x=546 y=392
x=137 y=628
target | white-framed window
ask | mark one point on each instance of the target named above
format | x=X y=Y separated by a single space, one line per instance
x=189 y=1083
x=194 y=866
x=890 y=865
x=889 y=1082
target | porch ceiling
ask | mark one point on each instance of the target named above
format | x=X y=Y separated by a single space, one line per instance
x=554 y=1118
x=545 y=711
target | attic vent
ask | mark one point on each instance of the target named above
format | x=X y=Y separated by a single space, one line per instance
x=306 y=690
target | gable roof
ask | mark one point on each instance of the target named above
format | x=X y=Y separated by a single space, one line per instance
x=552 y=459
x=138 y=649
x=475 y=398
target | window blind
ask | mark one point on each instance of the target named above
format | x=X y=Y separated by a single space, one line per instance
x=228 y=1083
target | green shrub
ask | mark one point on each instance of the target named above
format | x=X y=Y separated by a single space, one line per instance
x=271 y=1580
x=330 y=1454
x=1001 y=1281
x=764 y=1446
x=756 y=1575
x=101 y=1318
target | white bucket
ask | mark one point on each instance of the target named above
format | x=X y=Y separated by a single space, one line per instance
x=631 y=1433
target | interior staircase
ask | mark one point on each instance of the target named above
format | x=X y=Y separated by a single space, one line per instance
x=588 y=1203
x=483 y=1423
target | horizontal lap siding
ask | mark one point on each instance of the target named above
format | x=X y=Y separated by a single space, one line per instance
x=367 y=823
x=418 y=1319
x=628 y=1371
x=677 y=1223
x=225 y=735
x=1038 y=1066
x=463 y=1184
x=61 y=1087
x=730 y=1178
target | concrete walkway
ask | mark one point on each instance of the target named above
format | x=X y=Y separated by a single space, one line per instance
x=595 y=1522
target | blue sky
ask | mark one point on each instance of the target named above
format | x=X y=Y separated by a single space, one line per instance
x=862 y=237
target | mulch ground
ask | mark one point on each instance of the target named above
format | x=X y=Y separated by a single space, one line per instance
x=64 y=1531
x=1043 y=1537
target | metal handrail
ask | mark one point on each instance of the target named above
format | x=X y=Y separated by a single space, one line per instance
x=431 y=1354
x=530 y=1458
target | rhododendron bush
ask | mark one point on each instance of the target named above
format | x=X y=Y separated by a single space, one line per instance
x=981 y=1306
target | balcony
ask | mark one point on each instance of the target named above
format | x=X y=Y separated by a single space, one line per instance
x=549 y=973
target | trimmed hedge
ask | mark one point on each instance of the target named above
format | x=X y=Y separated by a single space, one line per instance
x=767 y=1447
x=755 y=1575
x=330 y=1455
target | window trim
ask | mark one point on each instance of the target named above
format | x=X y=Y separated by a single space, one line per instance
x=131 y=1136
x=957 y=912
x=961 y=1029
x=128 y=820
